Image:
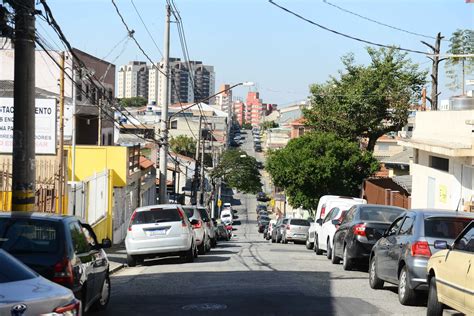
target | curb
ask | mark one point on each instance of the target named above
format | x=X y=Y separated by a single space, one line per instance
x=116 y=268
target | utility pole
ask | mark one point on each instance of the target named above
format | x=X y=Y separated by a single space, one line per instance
x=73 y=162
x=99 y=128
x=24 y=167
x=201 y=182
x=434 y=71
x=61 y=135
x=196 y=164
x=164 y=110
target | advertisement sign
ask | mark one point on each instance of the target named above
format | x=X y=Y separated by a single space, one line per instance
x=45 y=129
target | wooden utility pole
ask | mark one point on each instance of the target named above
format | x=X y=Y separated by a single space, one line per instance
x=196 y=164
x=434 y=71
x=23 y=155
x=99 y=128
x=61 y=136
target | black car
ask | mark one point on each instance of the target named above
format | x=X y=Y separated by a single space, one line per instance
x=261 y=208
x=401 y=255
x=61 y=249
x=262 y=197
x=360 y=229
x=262 y=222
x=260 y=165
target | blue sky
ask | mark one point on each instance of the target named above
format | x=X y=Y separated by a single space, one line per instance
x=252 y=40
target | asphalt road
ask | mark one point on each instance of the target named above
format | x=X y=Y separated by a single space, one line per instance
x=250 y=276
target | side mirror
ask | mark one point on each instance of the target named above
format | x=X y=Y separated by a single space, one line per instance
x=194 y=222
x=441 y=244
x=335 y=222
x=106 y=243
x=319 y=221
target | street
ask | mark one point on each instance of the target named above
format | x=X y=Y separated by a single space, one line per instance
x=250 y=276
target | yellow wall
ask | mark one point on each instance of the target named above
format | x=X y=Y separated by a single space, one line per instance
x=90 y=159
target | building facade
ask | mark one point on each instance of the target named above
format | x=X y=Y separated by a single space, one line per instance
x=255 y=108
x=224 y=99
x=133 y=80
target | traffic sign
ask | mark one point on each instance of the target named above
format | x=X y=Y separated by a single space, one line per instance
x=219 y=202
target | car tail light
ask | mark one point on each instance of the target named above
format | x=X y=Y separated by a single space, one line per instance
x=420 y=249
x=181 y=215
x=63 y=272
x=359 y=230
x=198 y=225
x=72 y=309
x=288 y=227
x=131 y=220
x=323 y=211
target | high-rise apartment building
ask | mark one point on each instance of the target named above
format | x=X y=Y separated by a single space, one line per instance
x=224 y=99
x=133 y=80
x=254 y=109
x=239 y=111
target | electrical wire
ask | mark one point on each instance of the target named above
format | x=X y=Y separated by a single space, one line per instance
x=378 y=22
x=346 y=35
x=146 y=28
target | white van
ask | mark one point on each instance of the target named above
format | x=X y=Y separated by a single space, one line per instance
x=226 y=216
x=327 y=203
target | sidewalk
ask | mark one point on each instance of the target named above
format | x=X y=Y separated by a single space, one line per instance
x=117 y=256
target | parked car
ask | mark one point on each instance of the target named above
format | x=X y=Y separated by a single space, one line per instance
x=325 y=204
x=227 y=218
x=268 y=234
x=324 y=240
x=277 y=233
x=202 y=238
x=262 y=223
x=262 y=213
x=61 y=249
x=451 y=275
x=23 y=291
x=401 y=256
x=222 y=233
x=261 y=207
x=160 y=231
x=260 y=165
x=258 y=149
x=362 y=226
x=262 y=197
x=296 y=230
x=209 y=225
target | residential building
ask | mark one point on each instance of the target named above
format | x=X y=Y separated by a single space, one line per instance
x=239 y=111
x=276 y=138
x=387 y=146
x=153 y=85
x=133 y=80
x=298 y=128
x=224 y=99
x=255 y=108
x=204 y=82
x=442 y=167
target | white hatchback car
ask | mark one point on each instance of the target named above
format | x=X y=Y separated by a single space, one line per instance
x=159 y=231
x=327 y=231
x=203 y=240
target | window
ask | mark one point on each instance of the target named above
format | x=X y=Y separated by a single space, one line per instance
x=395 y=226
x=407 y=226
x=439 y=163
x=445 y=227
x=79 y=240
x=12 y=272
x=158 y=215
x=466 y=242
x=349 y=216
x=174 y=125
x=28 y=236
x=329 y=216
x=299 y=222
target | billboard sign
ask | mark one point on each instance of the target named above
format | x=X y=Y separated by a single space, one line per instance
x=45 y=129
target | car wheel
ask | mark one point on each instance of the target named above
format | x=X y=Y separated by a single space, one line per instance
x=190 y=254
x=434 y=307
x=208 y=244
x=202 y=247
x=213 y=242
x=334 y=259
x=316 y=246
x=131 y=261
x=346 y=261
x=329 y=251
x=374 y=280
x=101 y=303
x=273 y=240
x=406 y=295
x=196 y=251
x=309 y=244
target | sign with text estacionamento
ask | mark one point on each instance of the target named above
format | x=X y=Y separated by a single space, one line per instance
x=45 y=129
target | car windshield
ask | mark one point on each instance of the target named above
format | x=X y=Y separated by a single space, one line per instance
x=157 y=215
x=226 y=215
x=265 y=218
x=189 y=211
x=299 y=222
x=29 y=236
x=379 y=214
x=203 y=213
x=445 y=227
x=12 y=270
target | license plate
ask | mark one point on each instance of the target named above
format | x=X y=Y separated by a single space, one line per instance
x=156 y=232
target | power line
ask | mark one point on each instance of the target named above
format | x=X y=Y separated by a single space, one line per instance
x=345 y=35
x=378 y=22
x=146 y=28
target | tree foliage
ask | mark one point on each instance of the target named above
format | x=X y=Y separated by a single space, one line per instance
x=133 y=102
x=183 y=145
x=239 y=171
x=367 y=101
x=461 y=42
x=269 y=124
x=317 y=164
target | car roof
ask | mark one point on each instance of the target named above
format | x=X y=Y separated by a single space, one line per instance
x=150 y=207
x=439 y=212
x=37 y=215
x=365 y=206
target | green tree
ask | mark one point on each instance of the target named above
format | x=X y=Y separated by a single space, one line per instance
x=367 y=101
x=461 y=42
x=183 y=145
x=239 y=171
x=133 y=102
x=246 y=126
x=317 y=164
x=268 y=124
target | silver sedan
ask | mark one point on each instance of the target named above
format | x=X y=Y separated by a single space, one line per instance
x=24 y=292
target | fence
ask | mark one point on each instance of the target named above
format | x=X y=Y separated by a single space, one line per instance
x=47 y=185
x=384 y=191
